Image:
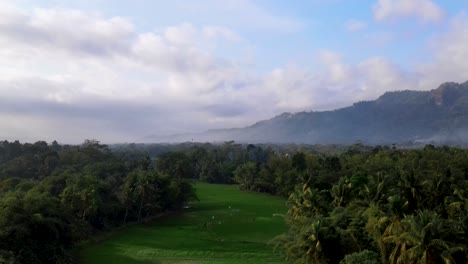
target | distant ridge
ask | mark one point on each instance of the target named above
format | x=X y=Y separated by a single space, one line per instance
x=438 y=116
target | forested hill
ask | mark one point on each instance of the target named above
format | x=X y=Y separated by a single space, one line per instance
x=403 y=117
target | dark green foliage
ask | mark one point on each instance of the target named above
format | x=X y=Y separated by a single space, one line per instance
x=245 y=174
x=35 y=228
x=299 y=162
x=51 y=197
x=363 y=257
x=176 y=164
x=410 y=206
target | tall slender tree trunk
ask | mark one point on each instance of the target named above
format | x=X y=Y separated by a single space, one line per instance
x=141 y=205
x=125 y=217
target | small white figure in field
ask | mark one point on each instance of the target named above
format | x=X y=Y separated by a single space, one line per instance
x=213 y=217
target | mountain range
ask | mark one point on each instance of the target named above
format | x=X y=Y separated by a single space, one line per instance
x=438 y=116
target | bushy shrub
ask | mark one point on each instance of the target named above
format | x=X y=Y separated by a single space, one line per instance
x=363 y=257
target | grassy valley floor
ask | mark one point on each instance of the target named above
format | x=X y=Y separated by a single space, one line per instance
x=226 y=226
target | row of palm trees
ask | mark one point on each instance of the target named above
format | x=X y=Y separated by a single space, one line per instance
x=402 y=212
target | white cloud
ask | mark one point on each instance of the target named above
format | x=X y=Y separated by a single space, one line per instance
x=289 y=88
x=72 y=75
x=355 y=25
x=67 y=30
x=336 y=70
x=425 y=10
x=449 y=53
x=377 y=75
x=338 y=84
x=60 y=65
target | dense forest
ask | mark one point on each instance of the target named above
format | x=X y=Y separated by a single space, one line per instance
x=362 y=205
x=382 y=206
x=355 y=204
x=53 y=196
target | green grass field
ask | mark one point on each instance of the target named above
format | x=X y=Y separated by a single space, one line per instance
x=226 y=226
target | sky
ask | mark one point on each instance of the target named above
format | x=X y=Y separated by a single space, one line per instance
x=119 y=70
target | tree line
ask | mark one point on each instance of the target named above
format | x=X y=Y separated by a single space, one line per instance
x=354 y=204
x=366 y=204
x=52 y=196
x=369 y=205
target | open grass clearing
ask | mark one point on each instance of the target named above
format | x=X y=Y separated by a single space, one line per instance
x=225 y=226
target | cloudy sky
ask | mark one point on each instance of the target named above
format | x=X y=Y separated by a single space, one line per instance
x=119 y=70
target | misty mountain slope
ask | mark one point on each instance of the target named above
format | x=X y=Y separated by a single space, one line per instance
x=439 y=115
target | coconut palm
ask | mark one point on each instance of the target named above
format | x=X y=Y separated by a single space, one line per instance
x=341 y=192
x=306 y=202
x=411 y=189
x=375 y=189
x=380 y=226
x=421 y=240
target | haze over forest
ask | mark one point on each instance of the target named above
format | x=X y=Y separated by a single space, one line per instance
x=119 y=71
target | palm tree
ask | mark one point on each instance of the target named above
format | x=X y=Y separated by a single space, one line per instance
x=306 y=202
x=341 y=192
x=82 y=195
x=421 y=240
x=410 y=189
x=147 y=190
x=392 y=227
x=303 y=243
x=380 y=226
x=456 y=207
x=308 y=229
x=374 y=190
x=314 y=243
x=127 y=193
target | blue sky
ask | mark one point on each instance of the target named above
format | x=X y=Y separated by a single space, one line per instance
x=118 y=70
x=311 y=25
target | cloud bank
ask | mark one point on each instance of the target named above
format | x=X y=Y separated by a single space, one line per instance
x=69 y=75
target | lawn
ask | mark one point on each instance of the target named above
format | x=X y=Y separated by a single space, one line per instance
x=225 y=226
